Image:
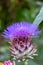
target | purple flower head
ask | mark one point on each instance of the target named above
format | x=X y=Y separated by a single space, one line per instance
x=20 y=29
x=20 y=37
x=8 y=62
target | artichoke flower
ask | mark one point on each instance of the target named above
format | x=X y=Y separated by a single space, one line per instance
x=20 y=36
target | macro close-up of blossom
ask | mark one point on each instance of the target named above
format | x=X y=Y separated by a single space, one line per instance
x=21 y=32
x=20 y=36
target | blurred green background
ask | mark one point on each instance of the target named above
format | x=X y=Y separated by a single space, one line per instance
x=12 y=11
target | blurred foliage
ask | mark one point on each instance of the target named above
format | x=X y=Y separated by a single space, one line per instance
x=15 y=11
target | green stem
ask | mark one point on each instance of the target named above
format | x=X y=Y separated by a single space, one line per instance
x=39 y=17
x=25 y=62
x=14 y=63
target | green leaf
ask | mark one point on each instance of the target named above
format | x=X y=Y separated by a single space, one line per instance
x=39 y=17
x=19 y=63
x=31 y=62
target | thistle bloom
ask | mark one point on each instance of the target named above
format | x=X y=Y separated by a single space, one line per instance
x=20 y=39
x=7 y=62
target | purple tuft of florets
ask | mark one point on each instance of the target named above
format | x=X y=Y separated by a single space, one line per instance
x=20 y=29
